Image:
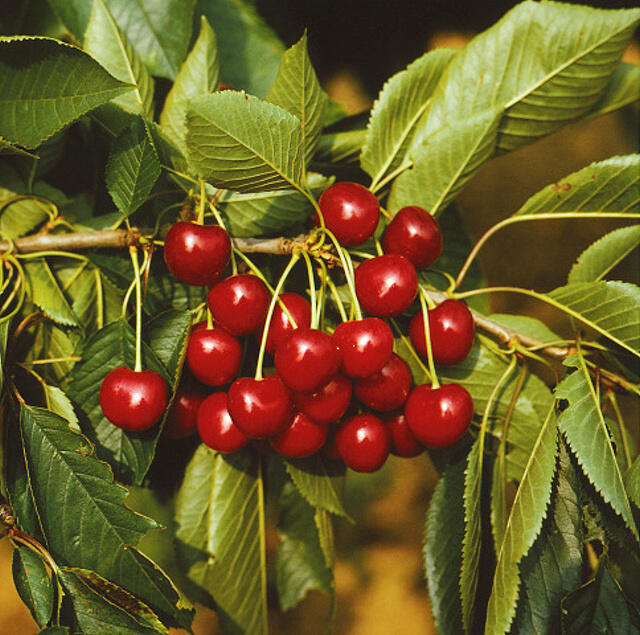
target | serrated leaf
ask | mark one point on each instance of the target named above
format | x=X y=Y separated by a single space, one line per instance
x=198 y=76
x=498 y=514
x=220 y=536
x=132 y=169
x=632 y=481
x=46 y=85
x=297 y=90
x=167 y=334
x=338 y=148
x=527 y=325
x=33 y=584
x=57 y=401
x=83 y=514
x=324 y=525
x=238 y=142
x=623 y=88
x=525 y=521
x=599 y=258
x=583 y=425
x=74 y=14
x=105 y=41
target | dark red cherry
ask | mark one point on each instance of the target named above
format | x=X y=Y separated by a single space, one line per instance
x=386 y=285
x=307 y=359
x=328 y=403
x=388 y=388
x=260 y=407
x=451 y=330
x=438 y=417
x=303 y=437
x=239 y=303
x=197 y=254
x=415 y=234
x=363 y=443
x=215 y=426
x=132 y=400
x=403 y=443
x=181 y=420
x=281 y=327
x=350 y=211
x=213 y=356
x=365 y=346
x=330 y=449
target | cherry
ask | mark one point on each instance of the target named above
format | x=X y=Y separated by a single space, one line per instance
x=303 y=437
x=215 y=426
x=388 y=388
x=403 y=443
x=280 y=327
x=132 y=400
x=386 y=285
x=197 y=254
x=330 y=449
x=328 y=403
x=213 y=356
x=451 y=330
x=363 y=443
x=239 y=303
x=365 y=346
x=350 y=211
x=307 y=359
x=181 y=420
x=259 y=407
x=415 y=234
x=438 y=417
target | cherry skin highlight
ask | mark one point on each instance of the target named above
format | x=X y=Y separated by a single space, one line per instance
x=213 y=356
x=280 y=327
x=215 y=426
x=132 y=400
x=387 y=389
x=329 y=402
x=303 y=437
x=363 y=443
x=365 y=346
x=181 y=420
x=403 y=443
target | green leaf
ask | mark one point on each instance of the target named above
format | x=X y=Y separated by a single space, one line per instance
x=297 y=90
x=132 y=169
x=583 y=425
x=83 y=514
x=632 y=481
x=338 y=148
x=527 y=325
x=238 y=142
x=58 y=402
x=168 y=334
x=33 y=584
x=394 y=116
x=220 y=536
x=622 y=89
x=74 y=14
x=55 y=630
x=324 y=525
x=599 y=258
x=524 y=524
x=198 y=76
x=53 y=82
x=106 y=42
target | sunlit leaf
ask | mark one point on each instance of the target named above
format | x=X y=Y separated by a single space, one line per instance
x=33 y=584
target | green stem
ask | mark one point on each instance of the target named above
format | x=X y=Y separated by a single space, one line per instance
x=425 y=318
x=234 y=249
x=336 y=299
x=623 y=432
x=136 y=272
x=62 y=254
x=378 y=184
x=312 y=290
x=202 y=204
x=410 y=348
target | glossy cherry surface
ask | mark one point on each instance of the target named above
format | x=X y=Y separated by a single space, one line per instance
x=132 y=400
x=197 y=254
x=181 y=420
x=259 y=407
x=307 y=359
x=280 y=327
x=403 y=443
x=239 y=303
x=438 y=417
x=415 y=234
x=363 y=443
x=451 y=330
x=386 y=285
x=213 y=356
x=388 y=388
x=329 y=402
x=216 y=427
x=303 y=437
x=350 y=211
x=365 y=346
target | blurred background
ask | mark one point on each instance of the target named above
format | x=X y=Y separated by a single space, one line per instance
x=355 y=46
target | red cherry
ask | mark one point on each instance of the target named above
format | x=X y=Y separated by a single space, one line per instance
x=132 y=400
x=451 y=330
x=388 y=388
x=365 y=346
x=303 y=437
x=350 y=211
x=215 y=426
x=328 y=403
x=259 y=407
x=307 y=359
x=415 y=234
x=239 y=303
x=280 y=327
x=181 y=420
x=330 y=449
x=363 y=443
x=197 y=254
x=403 y=443
x=213 y=356
x=386 y=285
x=438 y=417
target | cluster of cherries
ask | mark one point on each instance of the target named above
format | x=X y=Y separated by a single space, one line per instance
x=350 y=378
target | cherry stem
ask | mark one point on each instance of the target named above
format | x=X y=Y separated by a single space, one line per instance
x=337 y=299
x=620 y=421
x=201 y=207
x=425 y=318
x=323 y=294
x=136 y=270
x=220 y=221
x=312 y=290
x=379 y=183
x=409 y=346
